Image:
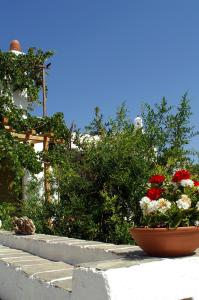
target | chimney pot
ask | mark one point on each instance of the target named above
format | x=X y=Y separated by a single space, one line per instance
x=15 y=46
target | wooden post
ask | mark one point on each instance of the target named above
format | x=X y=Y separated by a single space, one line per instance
x=44 y=89
x=46 y=172
x=33 y=138
x=44 y=68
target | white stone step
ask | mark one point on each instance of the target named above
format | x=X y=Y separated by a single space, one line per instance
x=25 y=276
x=123 y=273
x=69 y=250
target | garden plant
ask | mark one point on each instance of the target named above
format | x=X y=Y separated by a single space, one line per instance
x=100 y=182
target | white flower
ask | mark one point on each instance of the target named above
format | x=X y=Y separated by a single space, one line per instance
x=163 y=205
x=144 y=202
x=184 y=202
x=148 y=206
x=196 y=223
x=197 y=205
x=151 y=208
x=187 y=183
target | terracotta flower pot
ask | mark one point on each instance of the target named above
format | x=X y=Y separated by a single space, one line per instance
x=164 y=242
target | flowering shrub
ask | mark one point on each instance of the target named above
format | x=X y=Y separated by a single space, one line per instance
x=171 y=202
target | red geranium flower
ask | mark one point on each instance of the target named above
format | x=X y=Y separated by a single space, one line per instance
x=154 y=193
x=180 y=175
x=196 y=183
x=157 y=179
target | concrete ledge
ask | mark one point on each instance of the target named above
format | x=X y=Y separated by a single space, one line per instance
x=166 y=279
x=125 y=272
x=72 y=251
x=24 y=276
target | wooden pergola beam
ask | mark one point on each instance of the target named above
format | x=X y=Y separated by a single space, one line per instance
x=33 y=138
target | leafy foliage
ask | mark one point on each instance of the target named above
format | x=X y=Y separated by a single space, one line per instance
x=169 y=131
x=7 y=211
x=22 y=72
x=100 y=182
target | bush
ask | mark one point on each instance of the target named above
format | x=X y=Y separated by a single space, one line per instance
x=7 y=212
x=101 y=183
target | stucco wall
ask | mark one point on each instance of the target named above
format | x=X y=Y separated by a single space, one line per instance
x=132 y=276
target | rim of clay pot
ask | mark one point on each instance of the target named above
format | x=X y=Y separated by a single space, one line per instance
x=181 y=229
x=165 y=242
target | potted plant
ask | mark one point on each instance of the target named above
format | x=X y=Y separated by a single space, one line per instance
x=170 y=215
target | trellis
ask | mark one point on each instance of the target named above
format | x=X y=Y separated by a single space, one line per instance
x=33 y=138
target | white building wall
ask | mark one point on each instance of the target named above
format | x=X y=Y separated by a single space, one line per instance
x=20 y=99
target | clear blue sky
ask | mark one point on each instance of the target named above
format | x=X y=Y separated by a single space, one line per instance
x=110 y=51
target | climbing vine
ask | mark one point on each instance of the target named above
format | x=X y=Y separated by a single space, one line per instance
x=21 y=156
x=22 y=72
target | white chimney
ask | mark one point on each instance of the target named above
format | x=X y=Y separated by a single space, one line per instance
x=138 y=122
x=19 y=97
